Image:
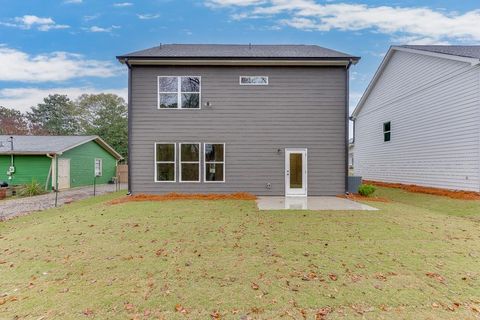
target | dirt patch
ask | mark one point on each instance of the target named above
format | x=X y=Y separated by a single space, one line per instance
x=357 y=197
x=454 y=194
x=184 y=196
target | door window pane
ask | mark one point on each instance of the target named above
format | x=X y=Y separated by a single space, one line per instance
x=214 y=152
x=296 y=171
x=165 y=171
x=166 y=152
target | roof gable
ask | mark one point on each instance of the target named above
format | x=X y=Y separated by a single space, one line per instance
x=410 y=49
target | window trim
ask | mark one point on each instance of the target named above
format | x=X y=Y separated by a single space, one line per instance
x=389 y=131
x=222 y=162
x=253 y=84
x=179 y=93
x=199 y=162
x=155 y=162
x=95 y=167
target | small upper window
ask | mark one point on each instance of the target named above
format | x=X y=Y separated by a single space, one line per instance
x=178 y=92
x=387 y=126
x=254 y=80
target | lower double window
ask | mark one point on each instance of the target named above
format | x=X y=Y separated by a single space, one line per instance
x=189 y=162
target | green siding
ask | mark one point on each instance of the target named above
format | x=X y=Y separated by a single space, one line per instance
x=82 y=164
x=27 y=168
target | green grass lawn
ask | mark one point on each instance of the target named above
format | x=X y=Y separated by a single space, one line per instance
x=416 y=258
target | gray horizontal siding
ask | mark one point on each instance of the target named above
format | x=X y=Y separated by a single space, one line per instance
x=434 y=107
x=302 y=107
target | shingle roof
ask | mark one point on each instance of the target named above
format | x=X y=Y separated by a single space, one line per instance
x=48 y=144
x=223 y=51
x=461 y=51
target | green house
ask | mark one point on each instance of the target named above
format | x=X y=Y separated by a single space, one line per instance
x=69 y=161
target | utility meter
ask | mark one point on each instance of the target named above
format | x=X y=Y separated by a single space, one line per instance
x=11 y=169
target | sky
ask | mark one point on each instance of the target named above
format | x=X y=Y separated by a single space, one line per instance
x=69 y=46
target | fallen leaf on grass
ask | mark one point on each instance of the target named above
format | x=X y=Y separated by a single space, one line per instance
x=88 y=312
x=128 y=306
x=322 y=313
x=7 y=299
x=380 y=276
x=333 y=276
x=435 y=276
x=255 y=286
x=216 y=315
x=181 y=309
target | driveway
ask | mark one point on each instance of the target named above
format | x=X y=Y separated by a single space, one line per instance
x=16 y=207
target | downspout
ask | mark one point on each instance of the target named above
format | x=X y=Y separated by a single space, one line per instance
x=129 y=111
x=347 y=111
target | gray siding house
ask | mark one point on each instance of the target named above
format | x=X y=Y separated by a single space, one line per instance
x=419 y=119
x=265 y=119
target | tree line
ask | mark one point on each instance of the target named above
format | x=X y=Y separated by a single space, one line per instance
x=102 y=114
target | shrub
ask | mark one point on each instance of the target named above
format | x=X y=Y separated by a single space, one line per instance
x=366 y=190
x=31 y=189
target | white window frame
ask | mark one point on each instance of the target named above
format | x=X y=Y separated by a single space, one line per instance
x=95 y=167
x=186 y=162
x=252 y=84
x=205 y=162
x=155 y=162
x=179 y=93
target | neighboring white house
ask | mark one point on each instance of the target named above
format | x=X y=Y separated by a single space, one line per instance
x=419 y=120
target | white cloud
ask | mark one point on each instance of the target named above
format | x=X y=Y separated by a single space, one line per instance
x=56 y=66
x=122 y=4
x=28 y=22
x=102 y=29
x=73 y=1
x=24 y=98
x=148 y=16
x=421 y=24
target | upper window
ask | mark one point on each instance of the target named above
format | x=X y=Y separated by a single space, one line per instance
x=189 y=162
x=387 y=126
x=98 y=167
x=254 y=80
x=214 y=162
x=165 y=164
x=179 y=92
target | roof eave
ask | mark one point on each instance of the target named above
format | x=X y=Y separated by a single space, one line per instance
x=237 y=61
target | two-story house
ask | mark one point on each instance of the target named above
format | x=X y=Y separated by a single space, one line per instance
x=265 y=119
x=418 y=122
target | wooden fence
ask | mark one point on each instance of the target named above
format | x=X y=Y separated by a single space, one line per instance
x=122 y=173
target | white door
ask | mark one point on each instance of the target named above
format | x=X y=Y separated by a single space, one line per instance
x=63 y=174
x=295 y=172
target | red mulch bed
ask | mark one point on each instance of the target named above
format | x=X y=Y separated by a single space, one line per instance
x=454 y=194
x=184 y=196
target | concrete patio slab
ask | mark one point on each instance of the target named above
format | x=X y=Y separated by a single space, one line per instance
x=309 y=203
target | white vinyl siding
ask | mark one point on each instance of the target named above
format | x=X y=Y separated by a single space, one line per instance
x=434 y=105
